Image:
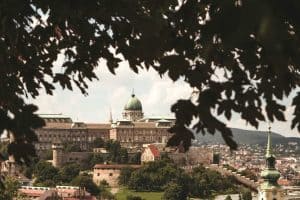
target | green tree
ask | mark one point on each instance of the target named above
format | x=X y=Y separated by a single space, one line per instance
x=246 y=194
x=117 y=154
x=154 y=176
x=228 y=197
x=69 y=172
x=248 y=173
x=46 y=174
x=173 y=191
x=242 y=57
x=9 y=191
x=87 y=183
x=135 y=158
x=3 y=150
x=123 y=156
x=104 y=191
x=205 y=182
x=98 y=143
x=72 y=147
x=125 y=175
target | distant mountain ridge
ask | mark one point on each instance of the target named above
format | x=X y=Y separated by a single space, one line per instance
x=246 y=137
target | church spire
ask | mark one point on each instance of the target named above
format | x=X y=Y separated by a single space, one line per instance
x=269 y=188
x=269 y=144
x=270 y=174
x=110 y=116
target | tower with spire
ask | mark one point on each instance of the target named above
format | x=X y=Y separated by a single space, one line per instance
x=269 y=188
x=110 y=120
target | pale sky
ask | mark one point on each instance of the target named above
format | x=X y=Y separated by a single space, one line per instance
x=156 y=94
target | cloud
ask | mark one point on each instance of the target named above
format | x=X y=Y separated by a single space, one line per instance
x=156 y=94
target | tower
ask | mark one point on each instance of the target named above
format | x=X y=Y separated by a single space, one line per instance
x=110 y=117
x=133 y=109
x=57 y=150
x=269 y=188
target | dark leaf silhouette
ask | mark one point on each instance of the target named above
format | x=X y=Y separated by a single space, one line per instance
x=242 y=57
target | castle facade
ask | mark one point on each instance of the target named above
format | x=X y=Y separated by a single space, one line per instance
x=133 y=130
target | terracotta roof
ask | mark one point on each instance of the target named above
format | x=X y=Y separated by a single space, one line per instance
x=114 y=166
x=284 y=182
x=154 y=150
x=33 y=193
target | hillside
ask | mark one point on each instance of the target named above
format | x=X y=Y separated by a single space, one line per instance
x=246 y=137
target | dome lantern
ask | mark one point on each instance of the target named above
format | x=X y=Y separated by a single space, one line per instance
x=133 y=109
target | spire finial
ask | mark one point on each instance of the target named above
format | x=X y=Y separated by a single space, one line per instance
x=269 y=145
x=132 y=94
x=110 y=116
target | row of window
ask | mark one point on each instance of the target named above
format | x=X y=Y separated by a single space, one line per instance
x=110 y=174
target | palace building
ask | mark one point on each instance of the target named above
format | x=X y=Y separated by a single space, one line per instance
x=133 y=130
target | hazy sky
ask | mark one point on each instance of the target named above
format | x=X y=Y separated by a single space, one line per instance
x=156 y=94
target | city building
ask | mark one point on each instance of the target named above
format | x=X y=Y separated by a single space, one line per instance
x=58 y=192
x=109 y=173
x=133 y=130
x=150 y=154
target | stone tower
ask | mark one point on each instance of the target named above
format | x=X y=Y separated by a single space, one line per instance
x=269 y=189
x=133 y=109
x=57 y=150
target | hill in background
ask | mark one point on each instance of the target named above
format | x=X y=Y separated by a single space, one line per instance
x=245 y=137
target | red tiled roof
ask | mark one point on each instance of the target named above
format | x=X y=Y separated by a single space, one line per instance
x=284 y=182
x=114 y=166
x=32 y=193
x=154 y=150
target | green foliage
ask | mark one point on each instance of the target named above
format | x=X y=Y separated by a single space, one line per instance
x=246 y=194
x=46 y=174
x=69 y=172
x=48 y=154
x=174 y=191
x=131 y=197
x=117 y=154
x=228 y=197
x=205 y=182
x=87 y=183
x=248 y=173
x=242 y=57
x=125 y=175
x=10 y=189
x=3 y=150
x=104 y=192
x=98 y=143
x=29 y=169
x=154 y=176
x=96 y=159
x=69 y=147
x=135 y=158
x=229 y=167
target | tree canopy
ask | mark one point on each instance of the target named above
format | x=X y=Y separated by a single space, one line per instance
x=241 y=56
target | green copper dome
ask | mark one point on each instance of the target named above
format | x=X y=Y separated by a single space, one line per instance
x=133 y=104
